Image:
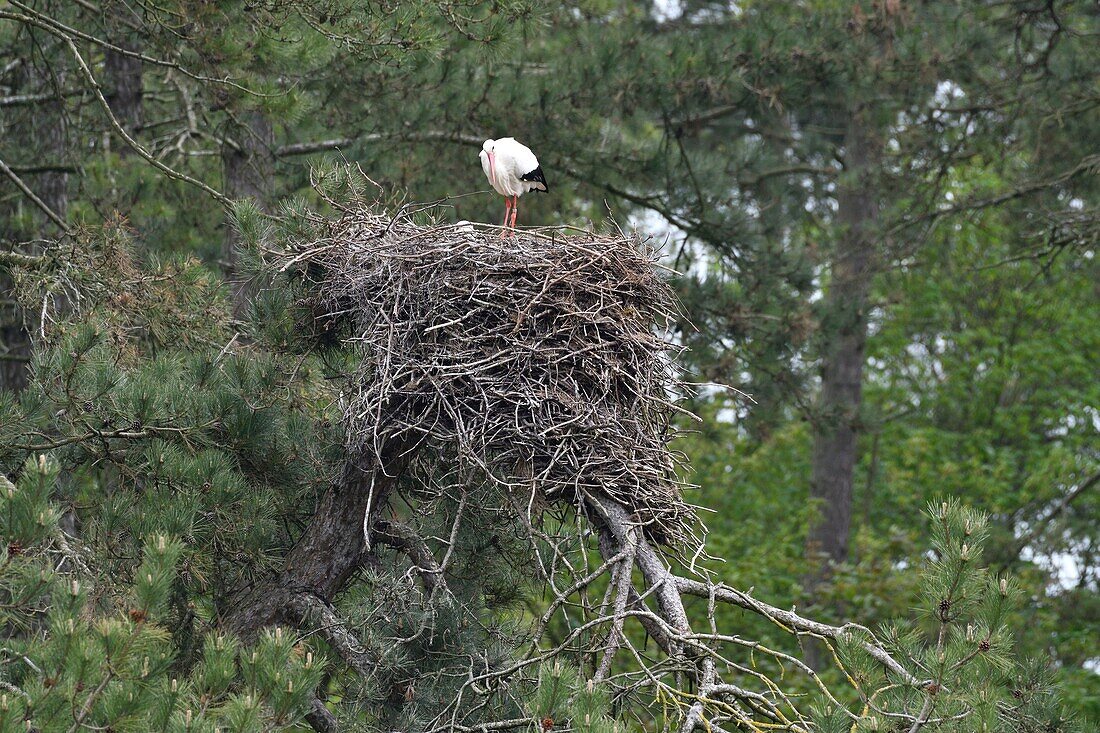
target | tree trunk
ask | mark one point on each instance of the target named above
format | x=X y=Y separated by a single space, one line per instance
x=124 y=92
x=49 y=139
x=15 y=344
x=844 y=336
x=248 y=160
x=51 y=130
x=332 y=546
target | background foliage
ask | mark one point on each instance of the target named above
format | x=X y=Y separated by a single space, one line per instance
x=904 y=187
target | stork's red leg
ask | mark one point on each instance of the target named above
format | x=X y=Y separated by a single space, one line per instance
x=507 y=214
x=515 y=211
x=509 y=217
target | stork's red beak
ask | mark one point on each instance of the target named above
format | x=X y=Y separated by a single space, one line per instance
x=492 y=167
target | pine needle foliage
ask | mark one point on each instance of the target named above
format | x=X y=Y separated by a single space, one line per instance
x=162 y=464
x=156 y=468
x=93 y=655
x=970 y=678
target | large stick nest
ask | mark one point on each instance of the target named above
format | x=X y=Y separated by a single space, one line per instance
x=537 y=360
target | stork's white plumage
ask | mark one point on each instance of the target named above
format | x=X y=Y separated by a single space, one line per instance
x=512 y=170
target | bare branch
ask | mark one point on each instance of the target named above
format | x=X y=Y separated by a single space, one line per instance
x=22 y=100
x=24 y=169
x=622 y=585
x=404 y=538
x=17 y=259
x=50 y=213
x=320 y=718
x=86 y=72
x=318 y=146
x=317 y=615
x=793 y=621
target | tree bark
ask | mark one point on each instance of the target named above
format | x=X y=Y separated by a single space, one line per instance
x=49 y=139
x=248 y=160
x=332 y=546
x=125 y=93
x=51 y=130
x=15 y=347
x=844 y=337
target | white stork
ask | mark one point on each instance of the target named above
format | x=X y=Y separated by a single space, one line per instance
x=512 y=170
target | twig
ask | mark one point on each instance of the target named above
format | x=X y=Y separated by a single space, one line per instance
x=50 y=213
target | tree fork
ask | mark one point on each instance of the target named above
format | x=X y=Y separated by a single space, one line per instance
x=617 y=531
x=332 y=546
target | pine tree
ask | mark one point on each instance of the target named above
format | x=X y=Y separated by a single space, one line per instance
x=87 y=650
x=170 y=452
x=191 y=463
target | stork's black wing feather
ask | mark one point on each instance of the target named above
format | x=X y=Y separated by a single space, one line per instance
x=536 y=176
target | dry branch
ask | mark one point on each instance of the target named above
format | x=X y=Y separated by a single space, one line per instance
x=404 y=538
x=313 y=613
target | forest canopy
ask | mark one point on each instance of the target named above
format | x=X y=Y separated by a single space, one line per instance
x=779 y=411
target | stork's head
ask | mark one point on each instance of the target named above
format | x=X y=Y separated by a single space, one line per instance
x=487 y=148
x=487 y=154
